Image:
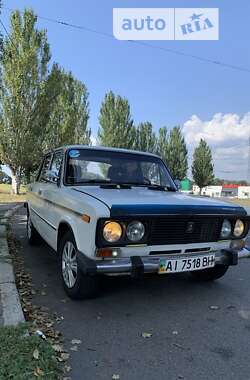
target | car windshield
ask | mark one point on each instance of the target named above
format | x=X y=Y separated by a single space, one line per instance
x=86 y=167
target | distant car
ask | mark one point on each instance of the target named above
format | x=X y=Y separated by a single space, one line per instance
x=115 y=211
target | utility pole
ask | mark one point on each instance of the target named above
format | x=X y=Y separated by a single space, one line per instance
x=248 y=164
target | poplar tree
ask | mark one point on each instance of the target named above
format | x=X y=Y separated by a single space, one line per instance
x=146 y=140
x=116 y=123
x=202 y=168
x=24 y=97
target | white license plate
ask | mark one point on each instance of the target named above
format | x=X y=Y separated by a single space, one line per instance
x=186 y=264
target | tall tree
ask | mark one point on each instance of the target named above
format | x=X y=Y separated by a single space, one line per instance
x=116 y=124
x=162 y=143
x=146 y=140
x=202 y=168
x=69 y=117
x=24 y=97
x=172 y=148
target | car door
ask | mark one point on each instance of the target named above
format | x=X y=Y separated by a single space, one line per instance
x=51 y=193
x=37 y=201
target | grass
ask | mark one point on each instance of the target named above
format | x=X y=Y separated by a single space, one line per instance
x=7 y=197
x=242 y=202
x=26 y=357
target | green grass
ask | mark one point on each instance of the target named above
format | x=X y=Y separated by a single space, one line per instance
x=242 y=202
x=7 y=197
x=17 y=361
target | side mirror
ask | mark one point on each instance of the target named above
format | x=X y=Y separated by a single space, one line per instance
x=51 y=176
x=177 y=183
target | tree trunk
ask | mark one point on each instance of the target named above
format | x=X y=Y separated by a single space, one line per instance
x=27 y=176
x=200 y=191
x=15 y=184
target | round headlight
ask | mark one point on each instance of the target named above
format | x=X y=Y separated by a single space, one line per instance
x=135 y=231
x=226 y=229
x=239 y=228
x=112 y=232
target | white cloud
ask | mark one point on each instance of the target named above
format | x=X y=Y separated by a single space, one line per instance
x=228 y=136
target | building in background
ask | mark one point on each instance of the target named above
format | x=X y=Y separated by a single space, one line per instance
x=227 y=191
x=186 y=186
x=208 y=191
x=230 y=190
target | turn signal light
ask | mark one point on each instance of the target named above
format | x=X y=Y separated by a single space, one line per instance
x=107 y=252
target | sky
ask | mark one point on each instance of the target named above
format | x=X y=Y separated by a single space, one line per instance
x=208 y=101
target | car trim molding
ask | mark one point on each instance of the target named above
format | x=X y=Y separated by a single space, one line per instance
x=154 y=209
x=44 y=220
x=57 y=205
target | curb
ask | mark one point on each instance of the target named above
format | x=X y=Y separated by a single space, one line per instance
x=12 y=310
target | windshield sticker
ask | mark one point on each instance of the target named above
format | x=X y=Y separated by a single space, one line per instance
x=74 y=153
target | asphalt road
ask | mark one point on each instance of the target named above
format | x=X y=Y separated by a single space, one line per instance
x=190 y=340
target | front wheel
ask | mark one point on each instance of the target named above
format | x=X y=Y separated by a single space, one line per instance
x=210 y=274
x=76 y=284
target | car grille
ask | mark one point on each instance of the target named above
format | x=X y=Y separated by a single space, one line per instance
x=179 y=230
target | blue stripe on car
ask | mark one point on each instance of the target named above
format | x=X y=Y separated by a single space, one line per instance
x=123 y=210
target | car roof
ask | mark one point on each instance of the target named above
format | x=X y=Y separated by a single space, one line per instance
x=103 y=148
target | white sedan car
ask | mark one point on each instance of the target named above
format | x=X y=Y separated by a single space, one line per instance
x=115 y=211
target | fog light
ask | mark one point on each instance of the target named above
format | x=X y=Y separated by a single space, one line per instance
x=237 y=244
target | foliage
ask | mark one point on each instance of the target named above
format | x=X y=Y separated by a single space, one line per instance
x=69 y=117
x=25 y=357
x=145 y=140
x=172 y=148
x=202 y=168
x=116 y=124
x=24 y=98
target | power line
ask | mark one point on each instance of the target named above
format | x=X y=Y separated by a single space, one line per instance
x=7 y=33
x=141 y=43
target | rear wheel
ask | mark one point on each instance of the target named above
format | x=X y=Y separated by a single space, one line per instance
x=32 y=234
x=76 y=284
x=210 y=274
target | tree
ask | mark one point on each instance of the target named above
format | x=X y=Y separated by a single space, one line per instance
x=145 y=140
x=202 y=168
x=24 y=94
x=116 y=124
x=172 y=148
x=69 y=117
x=162 y=143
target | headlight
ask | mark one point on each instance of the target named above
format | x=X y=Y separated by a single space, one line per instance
x=226 y=229
x=135 y=231
x=112 y=232
x=239 y=228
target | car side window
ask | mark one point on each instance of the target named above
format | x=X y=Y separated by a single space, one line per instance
x=45 y=167
x=57 y=163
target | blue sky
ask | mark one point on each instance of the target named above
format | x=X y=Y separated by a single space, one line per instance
x=163 y=88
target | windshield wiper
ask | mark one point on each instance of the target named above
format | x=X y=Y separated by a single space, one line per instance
x=95 y=180
x=151 y=186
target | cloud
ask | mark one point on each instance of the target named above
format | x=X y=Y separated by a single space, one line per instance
x=228 y=136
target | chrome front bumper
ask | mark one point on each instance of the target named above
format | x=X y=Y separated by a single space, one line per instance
x=150 y=264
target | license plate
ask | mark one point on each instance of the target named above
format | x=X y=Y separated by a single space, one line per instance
x=186 y=264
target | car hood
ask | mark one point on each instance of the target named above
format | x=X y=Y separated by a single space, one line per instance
x=143 y=201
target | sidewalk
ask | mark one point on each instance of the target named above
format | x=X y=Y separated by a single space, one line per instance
x=10 y=308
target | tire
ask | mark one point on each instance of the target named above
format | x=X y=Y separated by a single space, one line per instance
x=32 y=234
x=76 y=284
x=210 y=274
